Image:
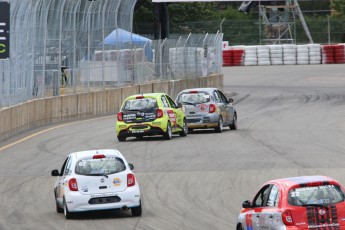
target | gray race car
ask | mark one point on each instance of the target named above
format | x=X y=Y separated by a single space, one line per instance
x=207 y=108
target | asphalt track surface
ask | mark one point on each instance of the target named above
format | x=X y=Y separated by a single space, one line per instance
x=291 y=123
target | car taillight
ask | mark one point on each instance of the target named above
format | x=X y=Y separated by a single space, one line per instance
x=99 y=156
x=130 y=180
x=287 y=218
x=120 y=116
x=212 y=108
x=73 y=185
x=159 y=113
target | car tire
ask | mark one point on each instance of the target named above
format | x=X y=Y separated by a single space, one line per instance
x=184 y=131
x=136 y=211
x=219 y=128
x=233 y=126
x=239 y=227
x=67 y=214
x=121 y=138
x=58 y=208
x=168 y=134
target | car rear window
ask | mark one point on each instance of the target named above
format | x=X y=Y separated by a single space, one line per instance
x=140 y=104
x=193 y=98
x=108 y=165
x=316 y=195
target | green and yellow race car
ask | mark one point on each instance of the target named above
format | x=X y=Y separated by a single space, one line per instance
x=148 y=115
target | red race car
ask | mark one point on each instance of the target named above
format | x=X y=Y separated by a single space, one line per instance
x=306 y=202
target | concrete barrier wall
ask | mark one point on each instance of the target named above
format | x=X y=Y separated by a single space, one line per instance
x=45 y=111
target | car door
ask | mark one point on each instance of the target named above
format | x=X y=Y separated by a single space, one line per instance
x=61 y=181
x=221 y=105
x=228 y=107
x=270 y=213
x=260 y=218
x=175 y=113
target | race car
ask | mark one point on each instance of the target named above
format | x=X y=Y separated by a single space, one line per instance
x=150 y=114
x=207 y=108
x=305 y=202
x=96 y=180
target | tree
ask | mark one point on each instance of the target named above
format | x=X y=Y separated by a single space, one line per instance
x=338 y=7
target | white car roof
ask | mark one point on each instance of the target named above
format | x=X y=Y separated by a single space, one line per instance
x=210 y=89
x=90 y=153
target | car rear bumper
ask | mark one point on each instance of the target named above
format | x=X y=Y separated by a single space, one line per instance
x=141 y=132
x=77 y=202
x=209 y=121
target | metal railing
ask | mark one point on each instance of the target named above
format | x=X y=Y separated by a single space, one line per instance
x=61 y=47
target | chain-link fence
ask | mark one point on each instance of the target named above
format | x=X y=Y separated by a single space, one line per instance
x=253 y=32
x=65 y=47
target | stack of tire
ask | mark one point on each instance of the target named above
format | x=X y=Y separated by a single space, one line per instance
x=315 y=57
x=276 y=53
x=233 y=57
x=289 y=54
x=328 y=56
x=250 y=56
x=227 y=57
x=237 y=57
x=264 y=55
x=339 y=54
x=302 y=54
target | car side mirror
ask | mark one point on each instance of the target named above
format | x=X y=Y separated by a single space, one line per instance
x=179 y=105
x=246 y=204
x=55 y=172
x=131 y=166
x=230 y=100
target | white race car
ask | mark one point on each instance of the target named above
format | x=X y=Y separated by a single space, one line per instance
x=96 y=180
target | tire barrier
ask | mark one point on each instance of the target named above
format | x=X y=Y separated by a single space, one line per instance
x=264 y=55
x=333 y=54
x=315 y=57
x=233 y=57
x=286 y=54
x=250 y=56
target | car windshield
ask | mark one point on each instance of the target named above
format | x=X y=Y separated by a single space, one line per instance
x=140 y=104
x=102 y=166
x=193 y=98
x=322 y=195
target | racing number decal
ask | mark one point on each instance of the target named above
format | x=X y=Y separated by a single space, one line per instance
x=172 y=116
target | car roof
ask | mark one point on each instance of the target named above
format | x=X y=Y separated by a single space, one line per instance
x=90 y=153
x=208 y=89
x=302 y=180
x=146 y=95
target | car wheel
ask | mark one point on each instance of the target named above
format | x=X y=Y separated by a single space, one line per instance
x=219 y=128
x=184 y=131
x=121 y=138
x=58 y=209
x=239 y=227
x=168 y=134
x=136 y=211
x=234 y=123
x=68 y=214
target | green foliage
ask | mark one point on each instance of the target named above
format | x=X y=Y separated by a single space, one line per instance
x=339 y=7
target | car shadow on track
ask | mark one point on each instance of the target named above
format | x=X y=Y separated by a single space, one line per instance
x=152 y=138
x=109 y=214
x=207 y=131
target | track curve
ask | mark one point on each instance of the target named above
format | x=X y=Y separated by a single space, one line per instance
x=291 y=122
